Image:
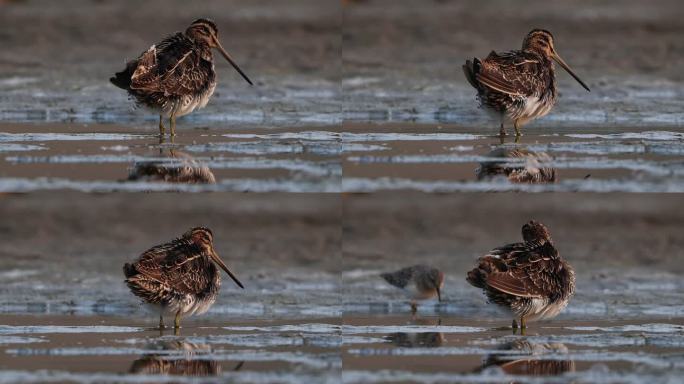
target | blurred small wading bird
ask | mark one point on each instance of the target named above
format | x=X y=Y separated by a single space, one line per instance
x=176 y=75
x=180 y=276
x=518 y=86
x=529 y=278
x=420 y=282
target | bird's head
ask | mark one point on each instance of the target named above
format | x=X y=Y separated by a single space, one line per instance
x=205 y=31
x=203 y=238
x=541 y=41
x=536 y=232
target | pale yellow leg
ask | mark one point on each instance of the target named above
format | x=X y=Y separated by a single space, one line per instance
x=176 y=321
x=172 y=119
x=517 y=128
x=161 y=126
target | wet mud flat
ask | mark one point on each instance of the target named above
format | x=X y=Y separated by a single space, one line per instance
x=402 y=60
x=67 y=316
x=290 y=51
x=360 y=348
x=110 y=349
x=448 y=158
x=440 y=349
x=352 y=157
x=219 y=157
x=624 y=324
x=63 y=253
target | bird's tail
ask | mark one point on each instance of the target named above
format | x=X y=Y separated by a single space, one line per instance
x=477 y=278
x=394 y=279
x=486 y=265
x=123 y=79
x=470 y=69
x=129 y=270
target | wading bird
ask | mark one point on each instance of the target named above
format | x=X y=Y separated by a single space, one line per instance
x=176 y=75
x=420 y=282
x=529 y=278
x=518 y=86
x=179 y=277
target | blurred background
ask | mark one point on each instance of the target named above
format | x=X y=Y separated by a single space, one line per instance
x=402 y=58
x=365 y=99
x=64 y=252
x=59 y=56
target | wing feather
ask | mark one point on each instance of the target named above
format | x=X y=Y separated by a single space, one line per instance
x=171 y=67
x=179 y=266
x=513 y=285
x=513 y=73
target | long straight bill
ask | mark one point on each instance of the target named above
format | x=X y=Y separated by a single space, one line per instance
x=567 y=68
x=223 y=266
x=230 y=60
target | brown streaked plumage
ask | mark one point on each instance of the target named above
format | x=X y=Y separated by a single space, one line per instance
x=529 y=278
x=534 y=170
x=176 y=75
x=519 y=85
x=180 y=276
x=420 y=282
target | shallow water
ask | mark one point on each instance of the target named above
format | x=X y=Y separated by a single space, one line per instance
x=363 y=348
x=428 y=349
x=349 y=158
x=110 y=158
x=433 y=158
x=117 y=350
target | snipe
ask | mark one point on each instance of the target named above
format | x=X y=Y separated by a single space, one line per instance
x=529 y=278
x=179 y=277
x=518 y=86
x=419 y=282
x=176 y=76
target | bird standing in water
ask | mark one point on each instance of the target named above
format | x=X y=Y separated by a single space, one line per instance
x=420 y=282
x=176 y=75
x=529 y=278
x=179 y=277
x=519 y=86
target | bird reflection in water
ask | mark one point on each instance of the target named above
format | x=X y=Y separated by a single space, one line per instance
x=521 y=357
x=177 y=357
x=418 y=339
x=518 y=166
x=176 y=167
